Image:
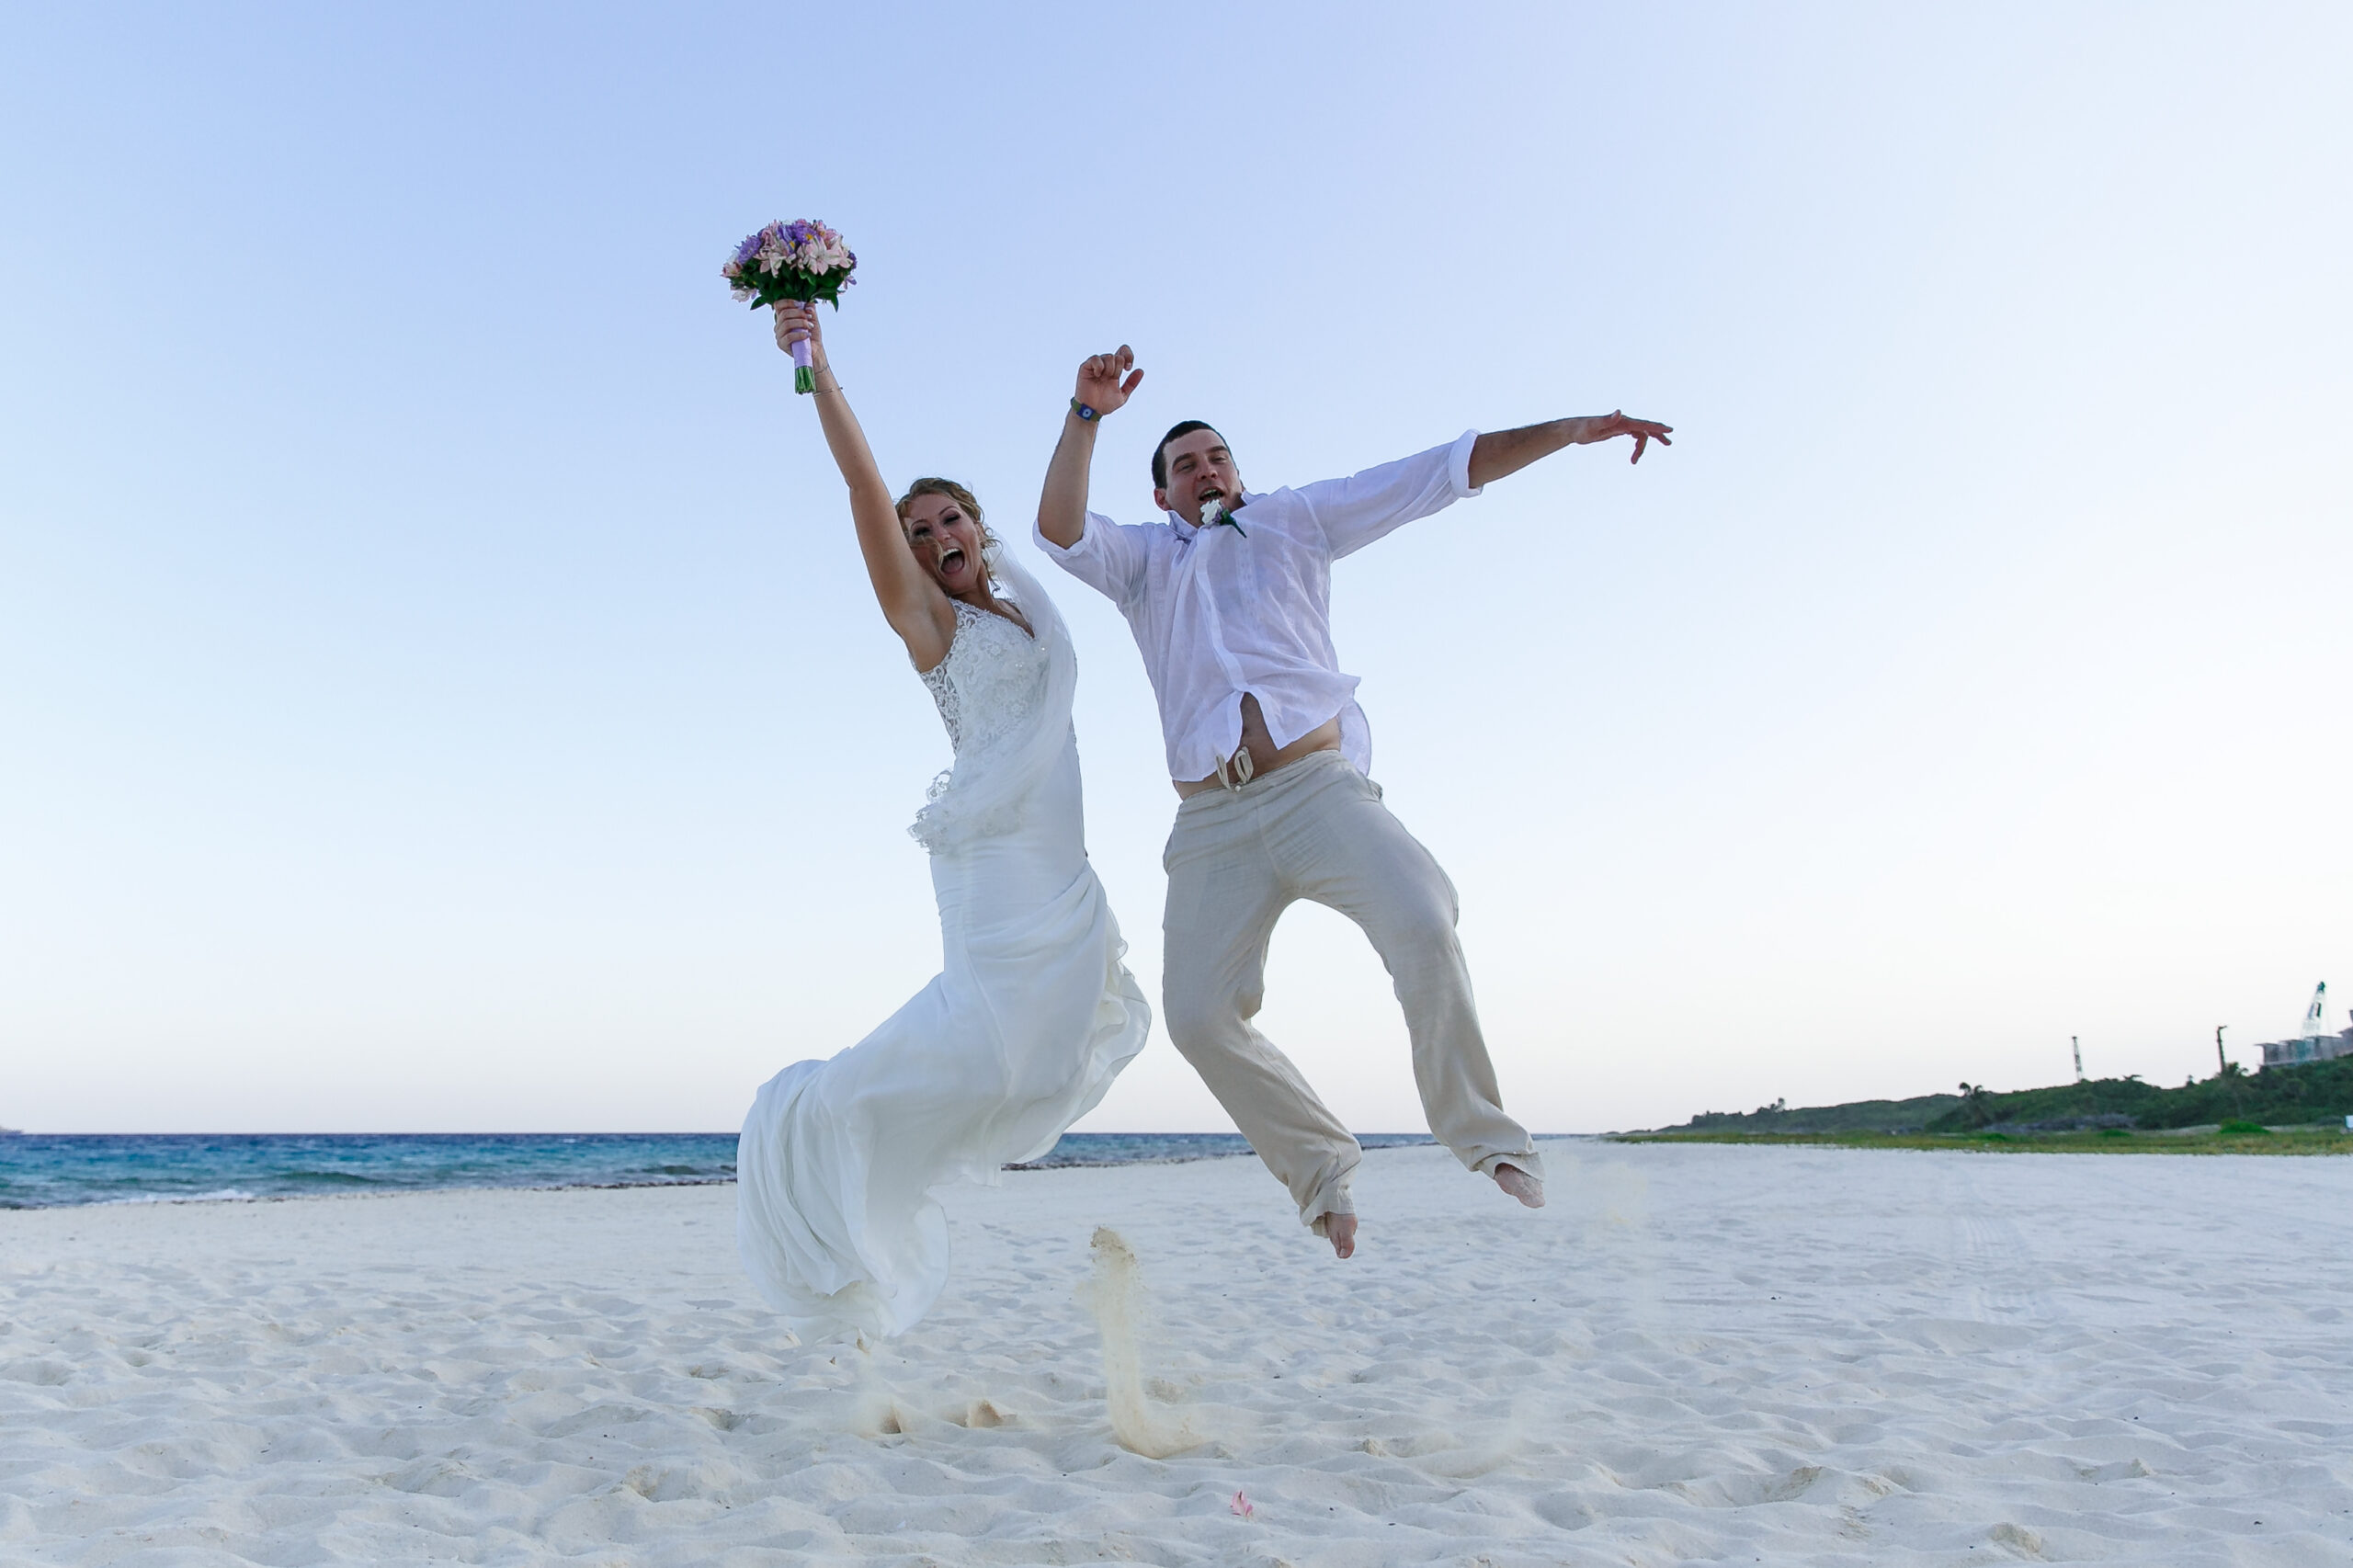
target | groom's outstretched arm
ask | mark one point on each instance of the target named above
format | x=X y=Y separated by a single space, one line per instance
x=1505 y=452
x=1104 y=383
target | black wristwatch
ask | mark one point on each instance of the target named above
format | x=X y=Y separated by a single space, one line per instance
x=1084 y=412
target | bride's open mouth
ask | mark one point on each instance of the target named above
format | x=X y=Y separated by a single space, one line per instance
x=951 y=560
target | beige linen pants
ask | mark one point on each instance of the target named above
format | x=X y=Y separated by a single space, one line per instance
x=1236 y=859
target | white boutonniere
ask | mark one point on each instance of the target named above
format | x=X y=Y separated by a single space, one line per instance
x=1215 y=513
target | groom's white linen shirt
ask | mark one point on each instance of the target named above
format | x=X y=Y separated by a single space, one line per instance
x=1219 y=612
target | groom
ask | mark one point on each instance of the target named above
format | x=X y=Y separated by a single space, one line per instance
x=1229 y=601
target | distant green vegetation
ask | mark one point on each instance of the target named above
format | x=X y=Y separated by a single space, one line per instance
x=2106 y=1114
x=1861 y=1116
x=2103 y=1141
x=2321 y=1091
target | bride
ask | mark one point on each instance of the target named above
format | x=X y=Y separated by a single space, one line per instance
x=1032 y=1014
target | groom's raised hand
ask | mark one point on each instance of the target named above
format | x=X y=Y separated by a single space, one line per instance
x=1104 y=383
x=1101 y=386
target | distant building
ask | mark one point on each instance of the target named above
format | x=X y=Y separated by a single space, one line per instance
x=2315 y=1043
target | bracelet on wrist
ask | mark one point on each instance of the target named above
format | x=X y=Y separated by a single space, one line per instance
x=1086 y=415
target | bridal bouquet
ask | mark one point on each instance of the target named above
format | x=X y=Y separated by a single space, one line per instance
x=802 y=260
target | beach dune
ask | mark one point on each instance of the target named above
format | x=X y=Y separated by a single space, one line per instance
x=1696 y=1353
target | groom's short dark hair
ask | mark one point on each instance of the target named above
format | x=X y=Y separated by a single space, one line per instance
x=1159 y=459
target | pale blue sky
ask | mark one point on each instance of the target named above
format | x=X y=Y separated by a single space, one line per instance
x=438 y=688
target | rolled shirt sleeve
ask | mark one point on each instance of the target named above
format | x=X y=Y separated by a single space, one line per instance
x=1108 y=557
x=1354 y=511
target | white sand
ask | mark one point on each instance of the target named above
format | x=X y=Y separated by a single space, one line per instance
x=1696 y=1354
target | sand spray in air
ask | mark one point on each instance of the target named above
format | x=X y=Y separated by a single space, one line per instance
x=1117 y=1299
x=873 y=1410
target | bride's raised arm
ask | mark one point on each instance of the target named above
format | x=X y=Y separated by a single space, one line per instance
x=914 y=605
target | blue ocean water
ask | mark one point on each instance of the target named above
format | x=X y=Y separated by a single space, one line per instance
x=1145 y=1148
x=45 y=1171
x=41 y=1171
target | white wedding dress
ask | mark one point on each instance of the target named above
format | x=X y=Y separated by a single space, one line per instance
x=1030 y=1018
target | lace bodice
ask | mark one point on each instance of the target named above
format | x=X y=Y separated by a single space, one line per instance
x=990 y=681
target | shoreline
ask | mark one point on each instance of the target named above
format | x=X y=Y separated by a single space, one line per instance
x=2319 y=1141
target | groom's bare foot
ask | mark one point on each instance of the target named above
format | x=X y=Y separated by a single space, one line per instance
x=1340 y=1230
x=1520 y=1184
